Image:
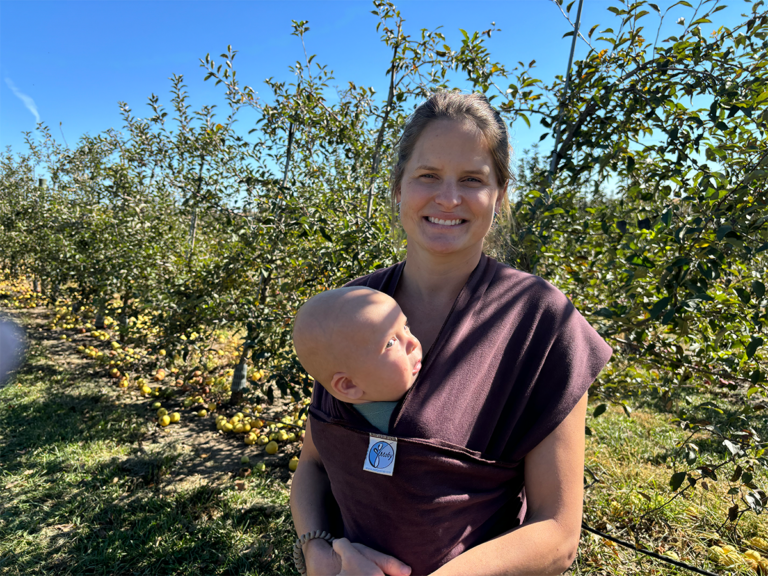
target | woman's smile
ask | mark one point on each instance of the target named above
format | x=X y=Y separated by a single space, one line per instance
x=447 y=222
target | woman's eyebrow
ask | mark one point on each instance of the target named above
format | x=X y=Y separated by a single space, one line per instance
x=478 y=171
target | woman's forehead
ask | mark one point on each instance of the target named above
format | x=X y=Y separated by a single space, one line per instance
x=450 y=137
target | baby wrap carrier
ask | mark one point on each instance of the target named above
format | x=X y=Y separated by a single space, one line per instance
x=509 y=364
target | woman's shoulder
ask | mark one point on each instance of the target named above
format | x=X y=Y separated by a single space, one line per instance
x=511 y=283
x=382 y=279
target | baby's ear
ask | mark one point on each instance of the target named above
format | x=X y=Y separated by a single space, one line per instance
x=343 y=386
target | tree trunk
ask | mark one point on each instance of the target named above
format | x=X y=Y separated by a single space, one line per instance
x=124 y=316
x=100 y=309
x=240 y=379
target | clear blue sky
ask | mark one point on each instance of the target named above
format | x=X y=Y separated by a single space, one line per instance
x=71 y=62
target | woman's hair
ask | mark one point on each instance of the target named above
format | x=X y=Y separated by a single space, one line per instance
x=474 y=108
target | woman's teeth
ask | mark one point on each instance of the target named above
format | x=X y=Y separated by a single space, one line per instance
x=444 y=222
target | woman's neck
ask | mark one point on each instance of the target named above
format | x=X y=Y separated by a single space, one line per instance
x=435 y=278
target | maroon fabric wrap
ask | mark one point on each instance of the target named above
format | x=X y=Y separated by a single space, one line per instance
x=511 y=361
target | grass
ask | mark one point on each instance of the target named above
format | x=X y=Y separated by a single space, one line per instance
x=629 y=464
x=80 y=496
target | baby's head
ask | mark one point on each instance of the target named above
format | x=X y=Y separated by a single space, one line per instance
x=355 y=341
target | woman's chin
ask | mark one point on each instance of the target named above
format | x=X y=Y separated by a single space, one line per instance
x=445 y=246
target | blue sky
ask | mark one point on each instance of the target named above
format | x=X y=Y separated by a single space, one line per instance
x=71 y=62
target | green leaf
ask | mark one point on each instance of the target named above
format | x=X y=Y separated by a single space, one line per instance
x=752 y=391
x=758 y=288
x=679 y=263
x=599 y=410
x=753 y=345
x=641 y=260
x=723 y=230
x=604 y=312
x=744 y=296
x=677 y=480
x=659 y=306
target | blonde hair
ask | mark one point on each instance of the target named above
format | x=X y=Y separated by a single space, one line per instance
x=454 y=105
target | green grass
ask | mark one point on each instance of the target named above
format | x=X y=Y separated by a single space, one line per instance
x=632 y=459
x=80 y=497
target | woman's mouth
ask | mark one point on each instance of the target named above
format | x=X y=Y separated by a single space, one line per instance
x=441 y=222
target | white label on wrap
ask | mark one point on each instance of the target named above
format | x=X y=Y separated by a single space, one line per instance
x=380 y=456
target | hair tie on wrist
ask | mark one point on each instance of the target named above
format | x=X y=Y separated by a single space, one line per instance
x=298 y=553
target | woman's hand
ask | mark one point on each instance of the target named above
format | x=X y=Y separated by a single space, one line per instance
x=359 y=560
x=320 y=559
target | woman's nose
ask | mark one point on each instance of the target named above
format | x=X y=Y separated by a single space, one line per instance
x=448 y=195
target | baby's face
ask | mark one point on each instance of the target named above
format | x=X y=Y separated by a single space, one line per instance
x=384 y=357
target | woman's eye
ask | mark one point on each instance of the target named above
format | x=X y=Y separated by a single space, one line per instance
x=391 y=342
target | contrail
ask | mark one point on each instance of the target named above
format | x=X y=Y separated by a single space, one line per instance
x=28 y=102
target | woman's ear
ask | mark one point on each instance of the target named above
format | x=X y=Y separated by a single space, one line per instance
x=344 y=388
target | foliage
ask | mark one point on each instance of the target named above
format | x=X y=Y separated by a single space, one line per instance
x=655 y=221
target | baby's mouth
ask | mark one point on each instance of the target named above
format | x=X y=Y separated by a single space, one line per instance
x=417 y=367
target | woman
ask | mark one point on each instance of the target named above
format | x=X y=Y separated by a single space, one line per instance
x=490 y=439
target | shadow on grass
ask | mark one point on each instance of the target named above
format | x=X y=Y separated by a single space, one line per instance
x=200 y=531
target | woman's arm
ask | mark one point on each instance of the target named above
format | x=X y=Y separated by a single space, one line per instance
x=554 y=487
x=310 y=490
x=310 y=493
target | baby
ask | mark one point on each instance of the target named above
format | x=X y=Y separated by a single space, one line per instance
x=356 y=343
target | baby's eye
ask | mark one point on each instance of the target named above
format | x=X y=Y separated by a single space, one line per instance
x=407 y=328
x=391 y=342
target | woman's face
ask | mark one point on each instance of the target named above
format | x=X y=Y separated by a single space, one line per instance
x=449 y=190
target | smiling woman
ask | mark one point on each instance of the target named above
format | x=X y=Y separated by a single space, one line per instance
x=487 y=475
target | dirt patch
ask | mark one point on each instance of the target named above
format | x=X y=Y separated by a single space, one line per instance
x=178 y=457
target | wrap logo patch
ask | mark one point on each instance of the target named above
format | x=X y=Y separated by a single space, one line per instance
x=380 y=457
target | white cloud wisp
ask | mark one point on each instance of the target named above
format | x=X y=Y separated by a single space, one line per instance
x=28 y=102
